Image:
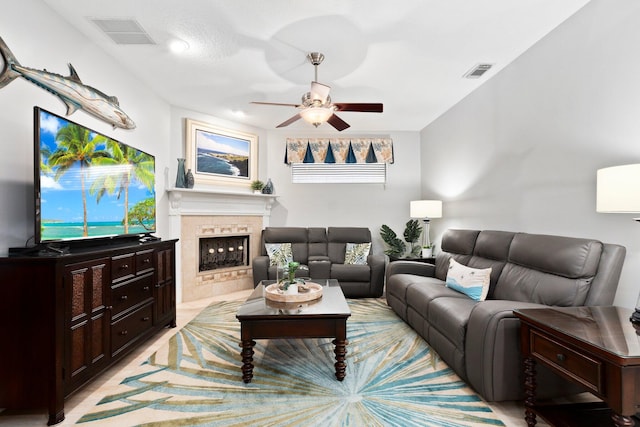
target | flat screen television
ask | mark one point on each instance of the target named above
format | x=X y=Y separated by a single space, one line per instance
x=88 y=185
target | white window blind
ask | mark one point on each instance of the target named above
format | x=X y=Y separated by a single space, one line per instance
x=343 y=173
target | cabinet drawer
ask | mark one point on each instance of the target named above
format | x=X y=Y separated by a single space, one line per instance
x=122 y=267
x=130 y=327
x=128 y=294
x=580 y=367
x=144 y=261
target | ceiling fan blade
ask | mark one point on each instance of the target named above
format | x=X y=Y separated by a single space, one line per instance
x=363 y=107
x=337 y=123
x=320 y=91
x=289 y=121
x=276 y=103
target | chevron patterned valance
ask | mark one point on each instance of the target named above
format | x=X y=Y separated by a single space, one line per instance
x=339 y=150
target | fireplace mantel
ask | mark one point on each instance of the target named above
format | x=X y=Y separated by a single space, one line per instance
x=194 y=201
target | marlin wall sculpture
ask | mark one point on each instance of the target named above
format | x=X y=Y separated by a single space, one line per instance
x=69 y=89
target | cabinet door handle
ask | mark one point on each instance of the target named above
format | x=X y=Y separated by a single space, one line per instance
x=109 y=307
x=145 y=288
x=124 y=266
x=561 y=357
x=146 y=261
x=144 y=319
x=124 y=297
x=125 y=332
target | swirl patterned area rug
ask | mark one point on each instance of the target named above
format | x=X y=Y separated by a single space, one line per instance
x=393 y=379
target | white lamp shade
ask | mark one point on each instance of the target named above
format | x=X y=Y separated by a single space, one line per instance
x=618 y=189
x=426 y=209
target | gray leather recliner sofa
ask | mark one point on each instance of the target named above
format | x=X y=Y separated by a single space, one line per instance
x=323 y=252
x=480 y=340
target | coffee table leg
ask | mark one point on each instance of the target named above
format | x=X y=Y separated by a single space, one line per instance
x=247 y=360
x=341 y=352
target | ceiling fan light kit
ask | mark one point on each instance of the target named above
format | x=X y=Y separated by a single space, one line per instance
x=316 y=115
x=317 y=108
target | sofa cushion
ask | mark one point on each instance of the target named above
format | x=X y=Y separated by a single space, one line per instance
x=338 y=237
x=357 y=253
x=449 y=315
x=350 y=272
x=494 y=245
x=473 y=282
x=317 y=239
x=421 y=291
x=564 y=256
x=297 y=236
x=279 y=253
x=519 y=283
x=459 y=241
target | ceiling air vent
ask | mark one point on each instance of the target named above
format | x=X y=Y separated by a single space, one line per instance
x=123 y=31
x=477 y=71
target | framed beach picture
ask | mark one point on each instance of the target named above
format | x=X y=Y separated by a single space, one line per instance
x=218 y=156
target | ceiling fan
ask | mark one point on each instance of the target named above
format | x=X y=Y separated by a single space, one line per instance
x=317 y=108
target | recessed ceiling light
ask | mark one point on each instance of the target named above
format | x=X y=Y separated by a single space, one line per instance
x=178 y=46
x=238 y=113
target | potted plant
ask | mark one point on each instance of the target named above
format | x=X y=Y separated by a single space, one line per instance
x=257 y=186
x=396 y=247
x=427 y=251
x=289 y=283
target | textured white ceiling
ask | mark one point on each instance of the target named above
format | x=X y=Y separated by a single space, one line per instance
x=408 y=54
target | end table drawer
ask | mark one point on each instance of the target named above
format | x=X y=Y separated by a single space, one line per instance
x=580 y=367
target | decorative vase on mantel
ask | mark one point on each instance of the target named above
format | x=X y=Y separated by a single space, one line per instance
x=268 y=188
x=181 y=179
x=190 y=179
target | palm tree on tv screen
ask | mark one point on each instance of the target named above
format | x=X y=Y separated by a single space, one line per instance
x=76 y=146
x=129 y=165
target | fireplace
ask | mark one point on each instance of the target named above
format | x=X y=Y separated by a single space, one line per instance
x=210 y=220
x=223 y=252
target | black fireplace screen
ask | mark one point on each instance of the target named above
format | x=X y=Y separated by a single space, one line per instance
x=223 y=252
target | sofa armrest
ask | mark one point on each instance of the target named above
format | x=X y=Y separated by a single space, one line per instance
x=260 y=266
x=492 y=349
x=376 y=280
x=319 y=267
x=411 y=267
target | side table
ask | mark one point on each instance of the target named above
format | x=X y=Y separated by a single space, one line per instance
x=596 y=347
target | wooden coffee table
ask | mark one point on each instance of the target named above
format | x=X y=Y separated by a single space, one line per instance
x=324 y=318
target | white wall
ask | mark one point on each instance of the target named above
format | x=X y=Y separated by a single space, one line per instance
x=521 y=152
x=39 y=38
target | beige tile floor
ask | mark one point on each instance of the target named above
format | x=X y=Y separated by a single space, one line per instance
x=511 y=413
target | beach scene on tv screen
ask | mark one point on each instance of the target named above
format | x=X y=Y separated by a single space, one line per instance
x=91 y=185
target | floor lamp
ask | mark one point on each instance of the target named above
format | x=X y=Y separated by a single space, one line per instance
x=425 y=209
x=617 y=192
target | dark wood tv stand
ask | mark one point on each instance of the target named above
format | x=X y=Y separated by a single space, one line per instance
x=66 y=318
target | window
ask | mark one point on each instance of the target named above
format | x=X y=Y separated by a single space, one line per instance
x=354 y=173
x=339 y=160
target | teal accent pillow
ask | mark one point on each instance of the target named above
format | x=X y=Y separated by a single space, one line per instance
x=279 y=253
x=357 y=253
x=473 y=282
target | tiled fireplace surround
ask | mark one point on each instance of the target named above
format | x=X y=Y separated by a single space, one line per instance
x=196 y=214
